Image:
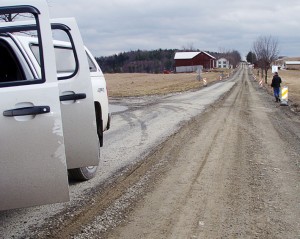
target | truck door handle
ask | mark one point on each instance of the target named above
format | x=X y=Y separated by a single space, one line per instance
x=34 y=110
x=78 y=96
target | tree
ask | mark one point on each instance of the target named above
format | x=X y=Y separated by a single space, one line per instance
x=8 y=17
x=233 y=56
x=11 y=17
x=189 y=47
x=251 y=57
x=266 y=50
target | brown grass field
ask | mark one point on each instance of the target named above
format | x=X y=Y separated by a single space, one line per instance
x=291 y=79
x=139 y=84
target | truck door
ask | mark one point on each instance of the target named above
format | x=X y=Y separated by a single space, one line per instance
x=76 y=96
x=32 y=154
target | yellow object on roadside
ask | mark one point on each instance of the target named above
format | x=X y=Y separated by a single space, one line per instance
x=284 y=95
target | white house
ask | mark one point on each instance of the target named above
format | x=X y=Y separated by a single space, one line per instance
x=223 y=63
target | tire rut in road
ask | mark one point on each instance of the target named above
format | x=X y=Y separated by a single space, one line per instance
x=226 y=194
x=207 y=127
x=100 y=205
x=225 y=188
x=72 y=221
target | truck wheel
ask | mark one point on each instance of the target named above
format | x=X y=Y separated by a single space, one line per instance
x=83 y=174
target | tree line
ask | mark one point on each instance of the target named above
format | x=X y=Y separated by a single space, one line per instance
x=154 y=61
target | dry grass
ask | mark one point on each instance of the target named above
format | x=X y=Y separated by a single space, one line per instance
x=139 y=84
x=291 y=79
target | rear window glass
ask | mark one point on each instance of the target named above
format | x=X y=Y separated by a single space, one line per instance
x=92 y=66
x=64 y=57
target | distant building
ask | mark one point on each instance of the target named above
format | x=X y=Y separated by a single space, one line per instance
x=292 y=65
x=287 y=62
x=193 y=61
x=223 y=63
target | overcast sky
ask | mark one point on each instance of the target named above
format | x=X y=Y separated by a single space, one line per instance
x=113 y=26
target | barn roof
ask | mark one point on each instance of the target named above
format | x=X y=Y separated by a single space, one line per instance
x=292 y=62
x=186 y=55
x=189 y=55
x=209 y=55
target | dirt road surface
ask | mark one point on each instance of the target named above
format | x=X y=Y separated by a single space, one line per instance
x=223 y=162
x=234 y=173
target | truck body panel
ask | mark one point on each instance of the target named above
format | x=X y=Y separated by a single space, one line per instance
x=33 y=161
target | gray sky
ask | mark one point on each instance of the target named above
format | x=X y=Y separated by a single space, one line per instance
x=113 y=26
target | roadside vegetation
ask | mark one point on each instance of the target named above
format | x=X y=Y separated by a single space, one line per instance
x=265 y=52
x=140 y=84
x=291 y=79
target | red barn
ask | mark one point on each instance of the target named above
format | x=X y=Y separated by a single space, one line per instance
x=192 y=61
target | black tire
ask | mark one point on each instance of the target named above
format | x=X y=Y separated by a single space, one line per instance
x=83 y=174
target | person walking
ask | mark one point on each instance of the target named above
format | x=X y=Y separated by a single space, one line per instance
x=276 y=81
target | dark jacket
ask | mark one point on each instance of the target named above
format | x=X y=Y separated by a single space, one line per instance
x=276 y=81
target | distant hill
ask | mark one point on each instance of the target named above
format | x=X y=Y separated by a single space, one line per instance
x=155 y=61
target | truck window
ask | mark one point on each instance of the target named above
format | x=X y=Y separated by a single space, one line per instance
x=92 y=66
x=65 y=54
x=65 y=60
x=10 y=69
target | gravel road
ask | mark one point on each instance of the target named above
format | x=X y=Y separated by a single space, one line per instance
x=222 y=162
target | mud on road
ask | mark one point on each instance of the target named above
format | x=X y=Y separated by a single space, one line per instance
x=230 y=172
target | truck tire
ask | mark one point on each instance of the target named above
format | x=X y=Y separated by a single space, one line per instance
x=83 y=174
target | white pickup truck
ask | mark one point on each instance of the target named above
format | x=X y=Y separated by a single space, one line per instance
x=54 y=107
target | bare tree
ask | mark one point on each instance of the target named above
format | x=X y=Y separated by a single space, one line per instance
x=266 y=50
x=8 y=17
x=189 y=47
x=233 y=56
x=14 y=16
